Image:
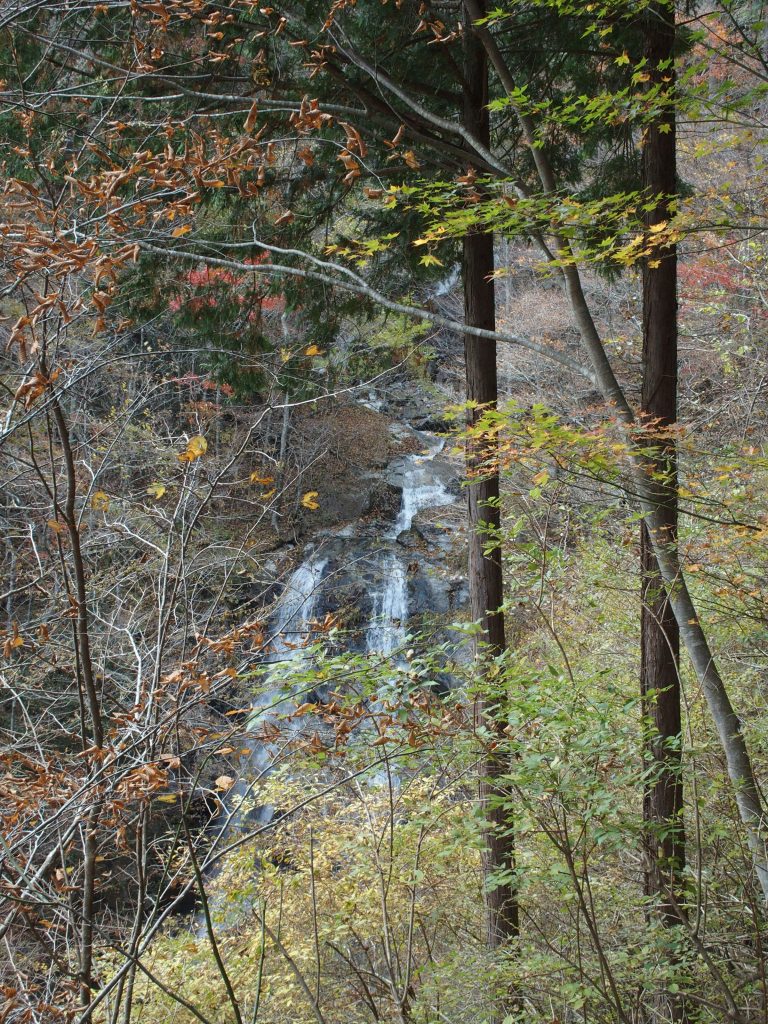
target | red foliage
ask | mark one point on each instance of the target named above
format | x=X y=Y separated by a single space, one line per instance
x=705 y=276
x=215 y=287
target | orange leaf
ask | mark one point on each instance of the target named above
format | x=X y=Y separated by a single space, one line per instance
x=196 y=446
x=250 y=121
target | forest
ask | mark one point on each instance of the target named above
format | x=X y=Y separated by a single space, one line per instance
x=383 y=424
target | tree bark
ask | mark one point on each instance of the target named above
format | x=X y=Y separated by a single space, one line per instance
x=664 y=835
x=660 y=636
x=485 y=570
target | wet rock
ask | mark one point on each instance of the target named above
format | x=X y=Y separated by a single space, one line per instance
x=429 y=593
x=434 y=538
x=409 y=539
x=384 y=500
x=435 y=423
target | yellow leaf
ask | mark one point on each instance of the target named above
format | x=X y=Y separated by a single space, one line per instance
x=312 y=350
x=156 y=490
x=655 y=228
x=308 y=501
x=256 y=478
x=183 y=230
x=169 y=798
x=56 y=527
x=196 y=446
x=100 y=501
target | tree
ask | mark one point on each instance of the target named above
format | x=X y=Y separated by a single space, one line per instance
x=660 y=635
x=486 y=584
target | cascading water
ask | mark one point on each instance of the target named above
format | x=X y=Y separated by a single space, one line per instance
x=291 y=629
x=422 y=489
x=298 y=605
x=386 y=627
x=385 y=568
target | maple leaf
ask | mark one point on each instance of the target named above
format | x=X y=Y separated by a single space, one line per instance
x=308 y=500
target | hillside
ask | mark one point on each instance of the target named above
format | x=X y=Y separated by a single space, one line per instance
x=383 y=451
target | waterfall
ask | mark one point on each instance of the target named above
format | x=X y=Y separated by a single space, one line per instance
x=422 y=489
x=290 y=633
x=386 y=627
x=297 y=610
x=385 y=567
x=298 y=604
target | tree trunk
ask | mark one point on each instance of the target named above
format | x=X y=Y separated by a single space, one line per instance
x=660 y=636
x=664 y=836
x=485 y=571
